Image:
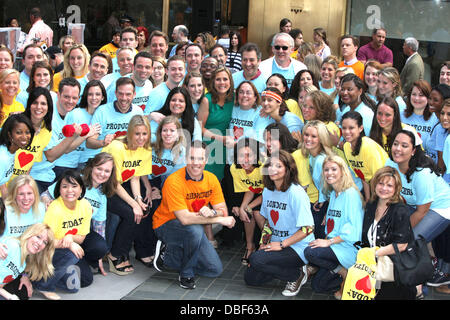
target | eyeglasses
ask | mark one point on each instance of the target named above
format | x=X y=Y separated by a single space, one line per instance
x=281 y=47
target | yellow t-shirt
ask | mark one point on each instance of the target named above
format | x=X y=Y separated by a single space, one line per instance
x=371 y=157
x=304 y=175
x=110 y=49
x=7 y=109
x=25 y=158
x=64 y=221
x=244 y=182
x=57 y=79
x=129 y=163
x=179 y=194
x=294 y=108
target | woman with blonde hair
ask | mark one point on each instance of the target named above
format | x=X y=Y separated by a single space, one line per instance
x=66 y=42
x=389 y=85
x=6 y=58
x=76 y=64
x=343 y=225
x=9 y=87
x=29 y=257
x=328 y=70
x=133 y=159
x=316 y=146
x=23 y=205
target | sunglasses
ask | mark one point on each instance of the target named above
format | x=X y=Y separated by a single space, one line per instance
x=281 y=47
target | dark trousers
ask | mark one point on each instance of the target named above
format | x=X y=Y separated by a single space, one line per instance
x=264 y=266
x=13 y=288
x=128 y=231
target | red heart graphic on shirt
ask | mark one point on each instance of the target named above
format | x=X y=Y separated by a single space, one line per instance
x=126 y=174
x=419 y=134
x=157 y=170
x=255 y=190
x=120 y=133
x=274 y=215
x=24 y=158
x=330 y=225
x=238 y=132
x=359 y=174
x=364 y=284
x=8 y=279
x=142 y=106
x=198 y=204
x=74 y=231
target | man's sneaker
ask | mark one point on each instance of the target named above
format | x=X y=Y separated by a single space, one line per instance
x=186 y=283
x=439 y=279
x=158 y=261
x=293 y=287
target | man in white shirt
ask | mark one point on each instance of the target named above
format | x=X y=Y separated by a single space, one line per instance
x=281 y=62
x=39 y=30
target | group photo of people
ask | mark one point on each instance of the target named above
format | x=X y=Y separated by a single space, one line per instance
x=139 y=151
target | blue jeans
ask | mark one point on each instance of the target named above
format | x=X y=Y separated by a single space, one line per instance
x=65 y=275
x=264 y=266
x=323 y=258
x=431 y=225
x=188 y=250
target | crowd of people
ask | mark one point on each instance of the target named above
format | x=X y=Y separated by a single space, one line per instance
x=138 y=148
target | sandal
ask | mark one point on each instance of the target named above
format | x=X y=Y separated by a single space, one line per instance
x=121 y=270
x=148 y=264
x=245 y=258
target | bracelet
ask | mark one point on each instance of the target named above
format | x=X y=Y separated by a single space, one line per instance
x=137 y=197
x=248 y=209
x=281 y=245
x=332 y=240
x=214 y=212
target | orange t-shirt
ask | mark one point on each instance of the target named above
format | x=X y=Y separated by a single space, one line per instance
x=358 y=67
x=179 y=194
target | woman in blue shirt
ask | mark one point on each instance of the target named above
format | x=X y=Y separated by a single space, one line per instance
x=423 y=189
x=418 y=114
x=274 y=106
x=286 y=209
x=389 y=85
x=343 y=223
x=29 y=257
x=178 y=103
x=23 y=206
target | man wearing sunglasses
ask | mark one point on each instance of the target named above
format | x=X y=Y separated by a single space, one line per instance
x=281 y=62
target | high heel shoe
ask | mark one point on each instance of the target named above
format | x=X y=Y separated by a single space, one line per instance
x=121 y=270
x=245 y=257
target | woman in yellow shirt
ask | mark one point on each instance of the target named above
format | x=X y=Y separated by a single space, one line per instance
x=133 y=160
x=9 y=87
x=364 y=155
x=76 y=64
x=247 y=186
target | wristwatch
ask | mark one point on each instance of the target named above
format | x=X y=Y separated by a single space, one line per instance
x=281 y=245
x=248 y=209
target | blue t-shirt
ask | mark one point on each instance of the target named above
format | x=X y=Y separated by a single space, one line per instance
x=288 y=73
x=24 y=81
x=366 y=113
x=112 y=120
x=446 y=158
x=327 y=91
x=315 y=167
x=157 y=98
x=425 y=187
x=22 y=97
x=11 y=268
x=16 y=224
x=424 y=129
x=259 y=82
x=166 y=165
x=344 y=219
x=111 y=78
x=292 y=122
x=286 y=213
x=7 y=167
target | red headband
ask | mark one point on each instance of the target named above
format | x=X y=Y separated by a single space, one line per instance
x=272 y=94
